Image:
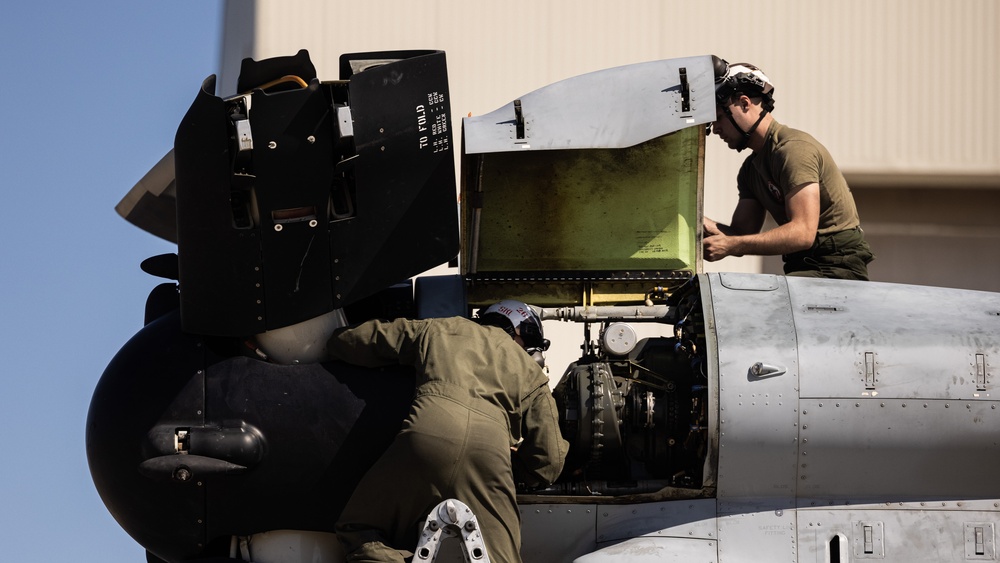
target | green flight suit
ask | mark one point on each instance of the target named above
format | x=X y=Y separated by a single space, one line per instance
x=478 y=394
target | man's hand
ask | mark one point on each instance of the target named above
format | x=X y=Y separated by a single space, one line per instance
x=716 y=241
x=710 y=227
x=744 y=235
x=717 y=246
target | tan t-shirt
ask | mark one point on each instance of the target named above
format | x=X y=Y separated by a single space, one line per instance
x=791 y=158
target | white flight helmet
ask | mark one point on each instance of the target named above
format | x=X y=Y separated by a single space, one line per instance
x=744 y=78
x=512 y=315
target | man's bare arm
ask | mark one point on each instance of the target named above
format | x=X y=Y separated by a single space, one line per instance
x=802 y=206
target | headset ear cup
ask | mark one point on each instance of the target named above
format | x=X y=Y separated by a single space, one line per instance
x=531 y=333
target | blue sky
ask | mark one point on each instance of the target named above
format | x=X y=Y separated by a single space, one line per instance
x=91 y=96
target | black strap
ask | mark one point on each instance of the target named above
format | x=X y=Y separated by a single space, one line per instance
x=746 y=135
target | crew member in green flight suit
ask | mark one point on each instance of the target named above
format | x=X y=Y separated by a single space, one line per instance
x=482 y=412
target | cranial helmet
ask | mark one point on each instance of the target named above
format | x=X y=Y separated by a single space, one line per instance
x=744 y=78
x=518 y=318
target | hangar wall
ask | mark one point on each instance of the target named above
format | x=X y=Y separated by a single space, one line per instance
x=900 y=91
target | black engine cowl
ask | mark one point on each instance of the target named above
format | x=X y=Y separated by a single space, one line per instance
x=189 y=445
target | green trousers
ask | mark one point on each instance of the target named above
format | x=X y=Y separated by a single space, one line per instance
x=448 y=448
x=842 y=255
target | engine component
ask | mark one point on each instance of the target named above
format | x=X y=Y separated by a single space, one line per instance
x=618 y=339
x=633 y=419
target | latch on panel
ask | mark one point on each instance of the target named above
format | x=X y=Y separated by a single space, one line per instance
x=980 y=372
x=979 y=541
x=869 y=542
x=869 y=370
x=762 y=370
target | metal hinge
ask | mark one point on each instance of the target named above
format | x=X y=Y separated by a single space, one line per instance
x=519 y=119
x=685 y=91
x=240 y=116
